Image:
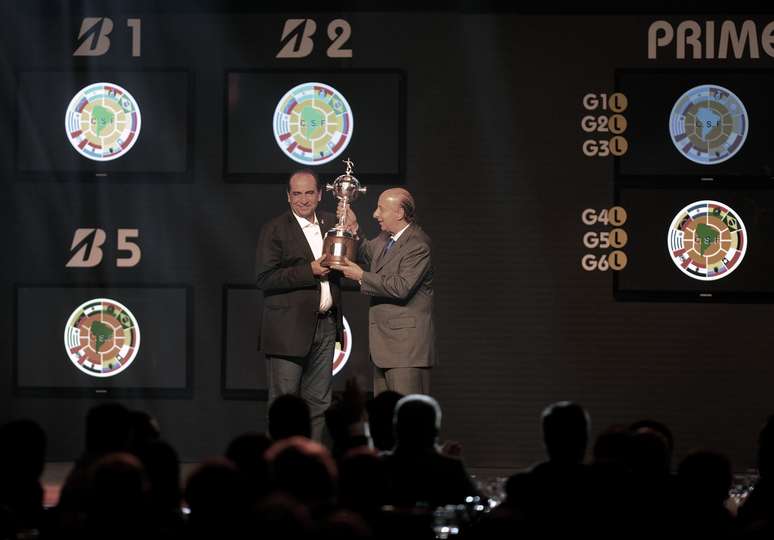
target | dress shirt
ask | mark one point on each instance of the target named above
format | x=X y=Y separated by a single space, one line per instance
x=314 y=238
x=396 y=236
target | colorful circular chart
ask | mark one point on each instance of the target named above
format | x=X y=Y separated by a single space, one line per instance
x=708 y=124
x=102 y=337
x=103 y=121
x=343 y=349
x=313 y=123
x=707 y=240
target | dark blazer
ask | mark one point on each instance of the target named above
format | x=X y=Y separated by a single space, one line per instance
x=401 y=332
x=291 y=293
x=425 y=476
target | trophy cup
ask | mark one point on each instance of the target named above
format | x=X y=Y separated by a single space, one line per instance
x=339 y=242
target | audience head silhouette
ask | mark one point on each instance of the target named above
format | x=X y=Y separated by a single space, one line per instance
x=565 y=432
x=143 y=430
x=289 y=417
x=215 y=495
x=613 y=446
x=119 y=493
x=303 y=469
x=108 y=429
x=381 y=411
x=649 y=453
x=246 y=451
x=661 y=429
x=417 y=421
x=162 y=467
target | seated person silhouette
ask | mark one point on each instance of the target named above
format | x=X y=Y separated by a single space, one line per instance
x=419 y=474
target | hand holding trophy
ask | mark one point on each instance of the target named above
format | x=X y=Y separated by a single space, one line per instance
x=340 y=243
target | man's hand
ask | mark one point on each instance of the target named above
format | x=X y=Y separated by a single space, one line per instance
x=351 y=221
x=349 y=269
x=318 y=269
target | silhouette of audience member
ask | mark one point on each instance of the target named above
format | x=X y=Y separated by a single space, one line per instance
x=304 y=470
x=126 y=484
x=362 y=483
x=143 y=430
x=381 y=412
x=162 y=468
x=705 y=479
x=107 y=431
x=117 y=506
x=654 y=487
x=565 y=433
x=247 y=453
x=22 y=458
x=346 y=420
x=279 y=516
x=756 y=515
x=660 y=428
x=611 y=482
x=559 y=501
x=510 y=518
x=418 y=474
x=216 y=499
x=613 y=448
x=289 y=417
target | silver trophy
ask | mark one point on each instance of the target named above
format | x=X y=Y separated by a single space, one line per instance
x=339 y=242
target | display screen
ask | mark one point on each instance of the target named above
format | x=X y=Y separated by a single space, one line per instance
x=102 y=339
x=103 y=124
x=279 y=121
x=694 y=124
x=698 y=243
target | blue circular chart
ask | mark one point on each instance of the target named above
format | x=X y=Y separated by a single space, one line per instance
x=708 y=124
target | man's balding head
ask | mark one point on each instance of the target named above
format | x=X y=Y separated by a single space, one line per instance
x=406 y=202
x=395 y=209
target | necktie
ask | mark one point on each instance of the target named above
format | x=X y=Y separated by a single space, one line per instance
x=388 y=246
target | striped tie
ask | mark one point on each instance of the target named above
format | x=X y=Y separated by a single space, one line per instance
x=388 y=246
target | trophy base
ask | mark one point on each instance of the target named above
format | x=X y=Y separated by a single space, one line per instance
x=337 y=245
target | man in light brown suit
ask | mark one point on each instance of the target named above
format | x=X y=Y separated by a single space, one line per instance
x=399 y=280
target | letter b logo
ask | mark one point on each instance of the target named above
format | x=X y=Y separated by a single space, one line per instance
x=94 y=36
x=89 y=252
x=297 y=36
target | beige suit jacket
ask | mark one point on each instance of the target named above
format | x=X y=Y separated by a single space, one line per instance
x=400 y=283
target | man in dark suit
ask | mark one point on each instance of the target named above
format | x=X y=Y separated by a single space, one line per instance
x=417 y=471
x=302 y=317
x=399 y=281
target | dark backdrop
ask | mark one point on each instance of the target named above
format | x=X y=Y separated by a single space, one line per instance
x=490 y=140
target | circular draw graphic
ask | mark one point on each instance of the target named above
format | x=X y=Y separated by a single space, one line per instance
x=102 y=337
x=313 y=123
x=708 y=124
x=103 y=121
x=343 y=350
x=707 y=240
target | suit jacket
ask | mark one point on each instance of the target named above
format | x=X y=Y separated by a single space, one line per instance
x=291 y=293
x=401 y=331
x=425 y=476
